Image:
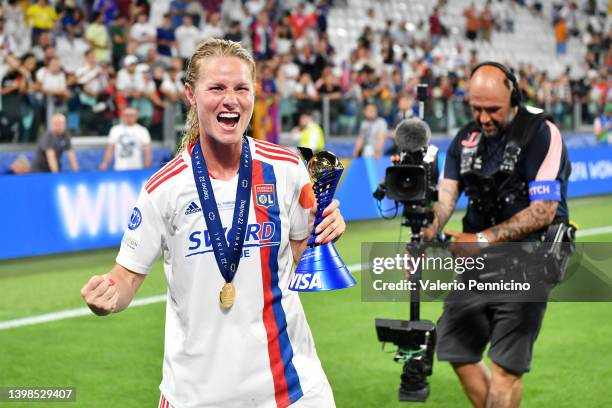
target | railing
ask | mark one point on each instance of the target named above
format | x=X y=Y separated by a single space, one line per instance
x=443 y=115
x=337 y=117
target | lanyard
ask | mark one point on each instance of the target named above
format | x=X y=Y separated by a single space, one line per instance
x=227 y=252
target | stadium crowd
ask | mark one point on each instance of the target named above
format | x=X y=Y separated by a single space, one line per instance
x=89 y=59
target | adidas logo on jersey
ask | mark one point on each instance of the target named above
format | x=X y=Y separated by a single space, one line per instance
x=192 y=208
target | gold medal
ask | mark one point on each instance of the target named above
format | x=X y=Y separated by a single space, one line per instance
x=227 y=295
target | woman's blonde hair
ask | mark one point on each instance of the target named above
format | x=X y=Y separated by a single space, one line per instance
x=213 y=47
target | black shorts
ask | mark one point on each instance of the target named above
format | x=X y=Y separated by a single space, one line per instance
x=464 y=330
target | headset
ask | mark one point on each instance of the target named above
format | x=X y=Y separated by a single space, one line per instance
x=515 y=94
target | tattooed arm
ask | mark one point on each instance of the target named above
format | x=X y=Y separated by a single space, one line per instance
x=538 y=215
x=447 y=199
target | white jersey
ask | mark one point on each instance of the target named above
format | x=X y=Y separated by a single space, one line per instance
x=259 y=352
x=129 y=143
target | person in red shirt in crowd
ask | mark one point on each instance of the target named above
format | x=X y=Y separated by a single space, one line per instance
x=300 y=21
x=435 y=27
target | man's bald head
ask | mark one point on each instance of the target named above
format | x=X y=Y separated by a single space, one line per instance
x=58 y=124
x=490 y=77
x=489 y=95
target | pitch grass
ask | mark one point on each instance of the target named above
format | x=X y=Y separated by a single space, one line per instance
x=116 y=361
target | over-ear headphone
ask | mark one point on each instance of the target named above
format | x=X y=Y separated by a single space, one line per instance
x=515 y=94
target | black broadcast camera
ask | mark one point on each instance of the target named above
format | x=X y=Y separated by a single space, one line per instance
x=412 y=181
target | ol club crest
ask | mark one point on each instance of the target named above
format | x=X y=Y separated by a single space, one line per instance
x=265 y=195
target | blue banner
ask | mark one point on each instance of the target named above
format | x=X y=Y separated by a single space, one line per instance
x=50 y=213
x=591 y=175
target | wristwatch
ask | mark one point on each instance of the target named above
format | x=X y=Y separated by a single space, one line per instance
x=482 y=240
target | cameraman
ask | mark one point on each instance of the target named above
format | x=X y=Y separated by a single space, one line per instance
x=503 y=161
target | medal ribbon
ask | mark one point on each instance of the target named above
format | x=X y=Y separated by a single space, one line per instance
x=227 y=252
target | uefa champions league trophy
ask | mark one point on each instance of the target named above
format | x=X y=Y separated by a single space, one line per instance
x=321 y=267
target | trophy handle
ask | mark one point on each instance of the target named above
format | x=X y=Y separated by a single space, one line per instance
x=306 y=153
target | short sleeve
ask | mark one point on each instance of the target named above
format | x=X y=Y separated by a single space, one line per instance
x=46 y=142
x=122 y=81
x=303 y=199
x=381 y=126
x=543 y=154
x=452 y=161
x=68 y=141
x=142 y=240
x=145 y=135
x=113 y=135
x=545 y=164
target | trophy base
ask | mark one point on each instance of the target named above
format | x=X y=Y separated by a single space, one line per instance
x=321 y=268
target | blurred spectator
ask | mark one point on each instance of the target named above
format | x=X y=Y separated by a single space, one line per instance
x=91 y=81
x=119 y=38
x=70 y=49
x=603 y=125
x=322 y=11
x=472 y=22
x=52 y=146
x=171 y=86
x=571 y=14
x=165 y=38
x=98 y=38
x=266 y=115
x=309 y=133
x=14 y=16
x=212 y=28
x=328 y=88
x=388 y=52
x=235 y=10
x=53 y=84
x=41 y=49
x=405 y=106
x=435 y=26
x=197 y=13
x=300 y=21
x=130 y=84
x=108 y=8
x=33 y=101
x=234 y=33
x=110 y=101
x=310 y=62
x=487 y=22
x=12 y=88
x=406 y=110
x=178 y=10
x=140 y=7
x=263 y=37
x=150 y=105
x=187 y=37
x=73 y=19
x=21 y=165
x=153 y=60
x=305 y=95
x=372 y=133
x=143 y=33
x=370 y=84
x=561 y=36
x=129 y=143
x=41 y=17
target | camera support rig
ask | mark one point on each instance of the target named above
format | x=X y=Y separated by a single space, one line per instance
x=415 y=338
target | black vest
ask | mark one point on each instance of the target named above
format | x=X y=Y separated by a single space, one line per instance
x=495 y=196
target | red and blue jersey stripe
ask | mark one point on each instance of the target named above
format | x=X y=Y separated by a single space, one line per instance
x=287 y=388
